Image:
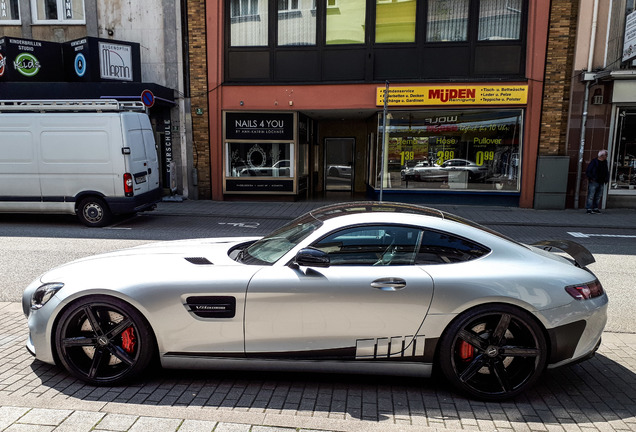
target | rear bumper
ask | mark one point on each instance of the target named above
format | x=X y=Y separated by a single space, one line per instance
x=137 y=203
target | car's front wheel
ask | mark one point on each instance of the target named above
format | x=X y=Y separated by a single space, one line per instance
x=493 y=352
x=104 y=341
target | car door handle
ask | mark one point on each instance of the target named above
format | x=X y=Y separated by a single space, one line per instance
x=389 y=284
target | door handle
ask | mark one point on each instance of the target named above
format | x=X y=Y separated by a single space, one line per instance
x=389 y=284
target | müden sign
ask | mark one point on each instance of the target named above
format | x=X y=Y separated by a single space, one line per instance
x=259 y=126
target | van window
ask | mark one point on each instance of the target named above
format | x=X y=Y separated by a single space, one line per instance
x=65 y=146
x=136 y=144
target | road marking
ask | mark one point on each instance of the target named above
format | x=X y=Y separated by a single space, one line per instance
x=582 y=235
x=241 y=224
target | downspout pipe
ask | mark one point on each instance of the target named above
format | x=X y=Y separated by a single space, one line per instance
x=586 y=97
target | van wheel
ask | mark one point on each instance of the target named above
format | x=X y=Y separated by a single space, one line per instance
x=93 y=212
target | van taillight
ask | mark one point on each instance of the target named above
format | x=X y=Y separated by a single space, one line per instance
x=128 y=184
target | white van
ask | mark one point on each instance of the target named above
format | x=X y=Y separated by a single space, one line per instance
x=94 y=159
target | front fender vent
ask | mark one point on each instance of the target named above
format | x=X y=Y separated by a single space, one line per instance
x=199 y=260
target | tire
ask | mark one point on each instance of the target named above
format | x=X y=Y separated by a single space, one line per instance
x=104 y=341
x=93 y=212
x=493 y=352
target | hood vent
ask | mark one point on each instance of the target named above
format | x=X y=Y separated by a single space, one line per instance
x=199 y=260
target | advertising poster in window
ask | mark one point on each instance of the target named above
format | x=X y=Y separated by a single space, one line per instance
x=472 y=149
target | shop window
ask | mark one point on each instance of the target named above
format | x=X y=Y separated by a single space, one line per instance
x=249 y=159
x=499 y=19
x=58 y=11
x=447 y=21
x=623 y=175
x=248 y=22
x=9 y=12
x=471 y=150
x=395 y=21
x=346 y=22
x=296 y=22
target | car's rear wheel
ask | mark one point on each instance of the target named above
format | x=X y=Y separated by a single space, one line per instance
x=493 y=352
x=104 y=341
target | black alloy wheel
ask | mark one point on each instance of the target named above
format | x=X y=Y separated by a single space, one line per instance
x=493 y=352
x=93 y=212
x=104 y=341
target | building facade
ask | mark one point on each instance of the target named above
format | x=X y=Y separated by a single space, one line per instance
x=603 y=101
x=296 y=105
x=92 y=49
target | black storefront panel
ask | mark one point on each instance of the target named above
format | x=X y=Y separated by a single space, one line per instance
x=102 y=60
x=27 y=60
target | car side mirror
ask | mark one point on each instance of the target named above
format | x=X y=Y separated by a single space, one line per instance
x=310 y=257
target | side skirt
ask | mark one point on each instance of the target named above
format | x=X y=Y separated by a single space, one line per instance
x=397 y=368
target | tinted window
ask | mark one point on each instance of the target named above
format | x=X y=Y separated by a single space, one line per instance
x=443 y=248
x=371 y=245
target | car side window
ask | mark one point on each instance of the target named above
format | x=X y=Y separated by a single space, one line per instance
x=371 y=245
x=444 y=248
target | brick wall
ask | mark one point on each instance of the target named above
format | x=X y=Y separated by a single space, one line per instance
x=558 y=75
x=199 y=95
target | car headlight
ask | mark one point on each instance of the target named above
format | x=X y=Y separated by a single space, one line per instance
x=44 y=293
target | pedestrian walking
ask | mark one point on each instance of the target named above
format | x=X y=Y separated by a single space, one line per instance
x=597 y=174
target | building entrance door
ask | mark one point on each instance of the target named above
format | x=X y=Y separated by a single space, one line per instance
x=339 y=164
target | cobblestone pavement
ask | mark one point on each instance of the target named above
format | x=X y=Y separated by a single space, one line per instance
x=597 y=395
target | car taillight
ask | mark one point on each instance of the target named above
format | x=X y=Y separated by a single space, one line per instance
x=585 y=291
x=128 y=184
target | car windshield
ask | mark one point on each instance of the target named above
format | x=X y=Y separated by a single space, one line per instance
x=272 y=247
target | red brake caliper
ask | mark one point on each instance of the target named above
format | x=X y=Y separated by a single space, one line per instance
x=466 y=351
x=128 y=340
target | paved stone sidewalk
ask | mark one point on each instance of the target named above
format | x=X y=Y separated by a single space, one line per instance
x=597 y=395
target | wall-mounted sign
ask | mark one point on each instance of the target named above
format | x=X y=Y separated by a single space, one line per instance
x=115 y=62
x=259 y=126
x=629 y=42
x=455 y=95
x=30 y=60
x=93 y=59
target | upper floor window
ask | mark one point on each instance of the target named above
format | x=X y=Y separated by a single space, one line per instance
x=58 y=11
x=296 y=22
x=395 y=21
x=248 y=22
x=9 y=12
x=499 y=19
x=345 y=22
x=447 y=21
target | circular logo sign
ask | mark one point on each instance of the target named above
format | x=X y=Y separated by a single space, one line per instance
x=27 y=64
x=2 y=63
x=80 y=64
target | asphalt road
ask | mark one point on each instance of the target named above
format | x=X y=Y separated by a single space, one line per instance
x=32 y=244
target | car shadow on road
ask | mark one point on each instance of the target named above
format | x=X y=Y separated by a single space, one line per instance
x=579 y=395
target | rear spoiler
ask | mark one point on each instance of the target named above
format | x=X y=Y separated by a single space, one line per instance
x=579 y=253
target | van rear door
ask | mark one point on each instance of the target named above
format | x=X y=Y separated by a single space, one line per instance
x=141 y=162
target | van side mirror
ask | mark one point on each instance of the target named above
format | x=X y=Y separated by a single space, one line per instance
x=310 y=257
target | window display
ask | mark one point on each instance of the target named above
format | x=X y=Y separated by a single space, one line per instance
x=473 y=149
x=623 y=164
x=248 y=159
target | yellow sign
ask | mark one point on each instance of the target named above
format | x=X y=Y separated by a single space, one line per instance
x=455 y=95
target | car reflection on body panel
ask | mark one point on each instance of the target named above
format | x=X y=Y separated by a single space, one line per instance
x=359 y=287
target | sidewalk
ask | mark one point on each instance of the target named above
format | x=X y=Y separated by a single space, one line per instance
x=486 y=215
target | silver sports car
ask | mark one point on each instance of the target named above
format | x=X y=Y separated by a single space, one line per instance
x=356 y=287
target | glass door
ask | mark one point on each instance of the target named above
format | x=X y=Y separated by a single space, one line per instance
x=339 y=164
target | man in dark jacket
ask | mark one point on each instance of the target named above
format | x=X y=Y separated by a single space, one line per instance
x=597 y=174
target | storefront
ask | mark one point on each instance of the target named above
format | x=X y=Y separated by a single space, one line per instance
x=622 y=150
x=473 y=151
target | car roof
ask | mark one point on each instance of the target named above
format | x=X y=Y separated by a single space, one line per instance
x=350 y=208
